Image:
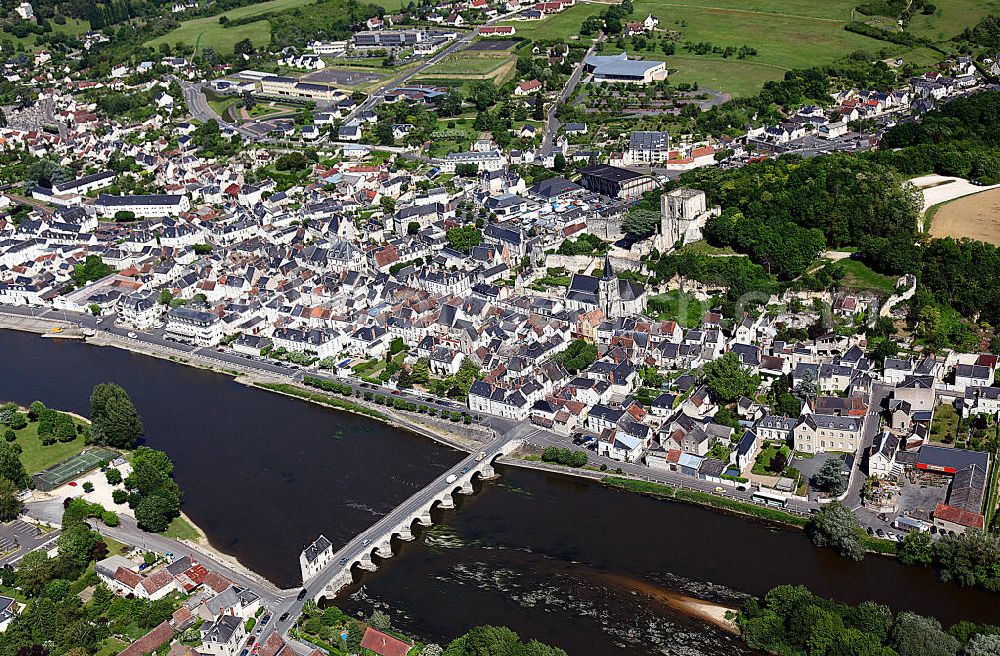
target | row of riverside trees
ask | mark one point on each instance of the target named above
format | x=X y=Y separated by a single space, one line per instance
x=792 y=620
x=971 y=559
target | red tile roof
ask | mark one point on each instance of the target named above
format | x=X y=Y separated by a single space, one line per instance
x=127 y=577
x=216 y=581
x=384 y=645
x=156 y=581
x=150 y=642
x=272 y=645
x=958 y=516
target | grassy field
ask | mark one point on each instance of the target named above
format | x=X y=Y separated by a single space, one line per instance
x=787 y=34
x=677 y=306
x=111 y=647
x=471 y=63
x=951 y=18
x=207 y=33
x=72 y=26
x=944 y=426
x=181 y=529
x=564 y=25
x=799 y=34
x=739 y=78
x=36 y=457
x=862 y=278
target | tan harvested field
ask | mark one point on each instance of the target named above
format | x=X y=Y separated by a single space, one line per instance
x=976 y=217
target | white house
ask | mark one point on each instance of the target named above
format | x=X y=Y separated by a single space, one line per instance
x=195 y=326
x=882 y=460
x=315 y=557
x=619 y=445
x=223 y=637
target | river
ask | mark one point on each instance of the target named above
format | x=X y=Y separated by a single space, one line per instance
x=562 y=560
x=263 y=475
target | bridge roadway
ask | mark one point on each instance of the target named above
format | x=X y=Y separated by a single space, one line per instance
x=377 y=540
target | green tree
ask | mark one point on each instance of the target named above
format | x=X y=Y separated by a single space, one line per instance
x=915 y=635
x=115 y=421
x=578 y=356
x=915 y=549
x=873 y=618
x=35 y=409
x=983 y=645
x=75 y=546
x=11 y=467
x=10 y=504
x=482 y=94
x=727 y=379
x=464 y=239
x=379 y=620
x=153 y=514
x=641 y=222
x=421 y=372
x=830 y=478
x=93 y=268
x=165 y=297
x=34 y=570
x=837 y=527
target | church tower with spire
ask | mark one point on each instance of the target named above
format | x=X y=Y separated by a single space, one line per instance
x=608 y=290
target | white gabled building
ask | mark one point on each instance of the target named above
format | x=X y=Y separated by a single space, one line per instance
x=146 y=206
x=315 y=557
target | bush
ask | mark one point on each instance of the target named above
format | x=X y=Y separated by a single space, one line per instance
x=113 y=476
x=567 y=457
x=110 y=518
x=9 y=435
x=119 y=496
x=17 y=421
x=88 y=487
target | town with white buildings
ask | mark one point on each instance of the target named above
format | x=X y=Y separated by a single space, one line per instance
x=500 y=276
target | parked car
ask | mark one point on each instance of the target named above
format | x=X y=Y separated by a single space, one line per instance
x=132 y=335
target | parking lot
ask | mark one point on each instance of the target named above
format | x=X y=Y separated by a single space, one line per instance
x=12 y=534
x=18 y=538
x=919 y=497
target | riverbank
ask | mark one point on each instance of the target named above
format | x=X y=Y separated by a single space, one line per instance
x=454 y=440
x=716 y=614
x=252 y=377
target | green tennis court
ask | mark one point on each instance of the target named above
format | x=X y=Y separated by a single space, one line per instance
x=71 y=467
